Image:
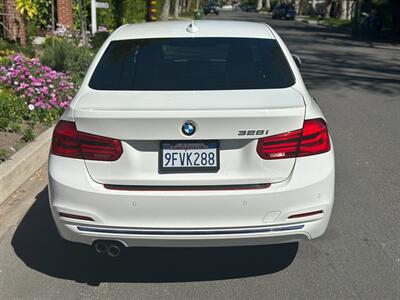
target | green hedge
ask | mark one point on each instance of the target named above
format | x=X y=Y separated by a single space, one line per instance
x=98 y=39
x=65 y=56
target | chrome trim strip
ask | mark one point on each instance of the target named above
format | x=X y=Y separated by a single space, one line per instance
x=176 y=231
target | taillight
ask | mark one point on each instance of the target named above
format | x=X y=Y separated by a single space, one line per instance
x=285 y=145
x=65 y=140
x=312 y=139
x=69 y=142
x=315 y=139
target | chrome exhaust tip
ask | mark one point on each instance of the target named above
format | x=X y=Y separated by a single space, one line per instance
x=113 y=250
x=100 y=247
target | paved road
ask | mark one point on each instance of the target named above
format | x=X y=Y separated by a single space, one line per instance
x=358 y=86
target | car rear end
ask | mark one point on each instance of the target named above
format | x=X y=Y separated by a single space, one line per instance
x=192 y=140
x=290 y=13
x=211 y=9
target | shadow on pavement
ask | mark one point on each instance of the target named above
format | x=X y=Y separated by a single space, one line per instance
x=37 y=243
x=333 y=58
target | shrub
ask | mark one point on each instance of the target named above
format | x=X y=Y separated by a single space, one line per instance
x=77 y=63
x=12 y=112
x=99 y=38
x=42 y=92
x=3 y=154
x=32 y=29
x=5 y=61
x=43 y=17
x=6 y=52
x=14 y=47
x=55 y=57
x=66 y=57
x=28 y=134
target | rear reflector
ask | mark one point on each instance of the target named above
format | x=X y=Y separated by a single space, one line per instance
x=312 y=139
x=234 y=187
x=78 y=217
x=307 y=214
x=69 y=142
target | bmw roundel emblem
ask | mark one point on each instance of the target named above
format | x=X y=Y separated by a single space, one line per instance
x=188 y=128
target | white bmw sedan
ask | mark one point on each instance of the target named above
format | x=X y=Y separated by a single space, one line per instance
x=191 y=134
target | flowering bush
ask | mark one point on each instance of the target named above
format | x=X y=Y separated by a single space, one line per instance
x=102 y=29
x=71 y=35
x=43 y=91
x=36 y=84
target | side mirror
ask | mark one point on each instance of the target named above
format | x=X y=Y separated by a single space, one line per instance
x=297 y=60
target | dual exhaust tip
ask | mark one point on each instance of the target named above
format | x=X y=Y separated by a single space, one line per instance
x=111 y=248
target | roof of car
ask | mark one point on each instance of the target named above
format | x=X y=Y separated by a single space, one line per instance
x=204 y=28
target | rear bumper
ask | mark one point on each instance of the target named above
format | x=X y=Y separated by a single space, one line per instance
x=193 y=218
x=138 y=237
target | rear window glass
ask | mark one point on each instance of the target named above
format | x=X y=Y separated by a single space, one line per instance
x=192 y=64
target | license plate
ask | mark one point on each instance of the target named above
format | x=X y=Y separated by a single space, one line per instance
x=189 y=157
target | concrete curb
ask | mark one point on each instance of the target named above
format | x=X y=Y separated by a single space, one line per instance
x=311 y=22
x=15 y=171
x=321 y=23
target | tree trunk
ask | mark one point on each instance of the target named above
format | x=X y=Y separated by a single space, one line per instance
x=297 y=6
x=395 y=5
x=313 y=5
x=176 y=9
x=83 y=24
x=15 y=24
x=165 y=10
x=367 y=6
x=356 y=19
x=301 y=11
x=328 y=9
x=268 y=5
x=343 y=10
x=197 y=5
x=349 y=8
x=259 y=5
x=183 y=6
x=189 y=6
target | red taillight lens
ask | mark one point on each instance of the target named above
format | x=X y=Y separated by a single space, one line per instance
x=285 y=145
x=312 y=139
x=96 y=147
x=69 y=142
x=65 y=140
x=315 y=138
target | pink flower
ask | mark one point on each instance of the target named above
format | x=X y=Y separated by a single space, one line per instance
x=45 y=90
x=44 y=87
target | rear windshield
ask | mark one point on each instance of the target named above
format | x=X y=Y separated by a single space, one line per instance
x=192 y=64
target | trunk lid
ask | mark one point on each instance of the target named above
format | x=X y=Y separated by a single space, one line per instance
x=141 y=119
